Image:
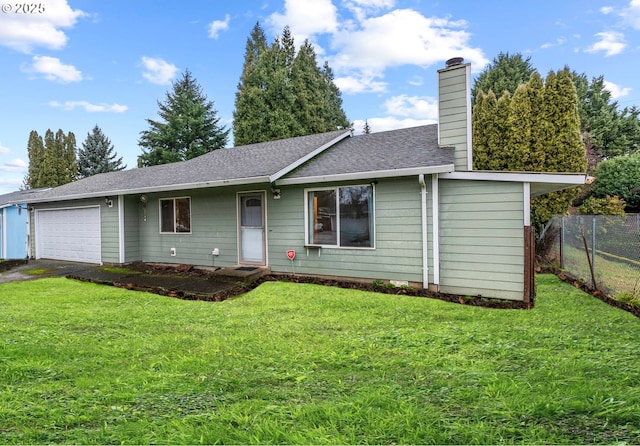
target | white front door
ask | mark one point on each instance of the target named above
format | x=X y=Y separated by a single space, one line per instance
x=252 y=227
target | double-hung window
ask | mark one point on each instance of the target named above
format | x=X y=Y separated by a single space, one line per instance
x=175 y=215
x=340 y=216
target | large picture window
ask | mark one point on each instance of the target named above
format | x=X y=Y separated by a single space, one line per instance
x=341 y=216
x=175 y=215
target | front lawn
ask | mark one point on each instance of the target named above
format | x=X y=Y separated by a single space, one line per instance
x=294 y=363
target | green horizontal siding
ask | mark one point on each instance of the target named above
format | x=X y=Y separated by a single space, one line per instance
x=213 y=225
x=481 y=238
x=398 y=244
x=453 y=112
x=132 y=221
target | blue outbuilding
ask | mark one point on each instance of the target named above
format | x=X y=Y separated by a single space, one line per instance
x=14 y=224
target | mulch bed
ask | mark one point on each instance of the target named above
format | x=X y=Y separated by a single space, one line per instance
x=241 y=288
x=568 y=278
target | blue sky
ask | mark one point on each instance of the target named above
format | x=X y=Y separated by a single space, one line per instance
x=72 y=64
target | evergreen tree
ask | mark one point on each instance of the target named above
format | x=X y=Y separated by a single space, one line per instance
x=504 y=73
x=35 y=151
x=97 y=155
x=250 y=103
x=366 y=130
x=308 y=84
x=189 y=127
x=563 y=144
x=336 y=117
x=55 y=164
x=282 y=93
x=538 y=129
x=606 y=130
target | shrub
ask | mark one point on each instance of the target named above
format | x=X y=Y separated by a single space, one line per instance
x=619 y=176
x=603 y=206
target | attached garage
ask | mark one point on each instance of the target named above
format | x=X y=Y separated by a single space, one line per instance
x=71 y=234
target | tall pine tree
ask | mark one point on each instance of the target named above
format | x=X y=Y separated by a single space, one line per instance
x=563 y=144
x=35 y=151
x=54 y=163
x=282 y=93
x=97 y=155
x=189 y=126
x=504 y=73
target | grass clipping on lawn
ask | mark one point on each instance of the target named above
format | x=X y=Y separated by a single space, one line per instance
x=307 y=364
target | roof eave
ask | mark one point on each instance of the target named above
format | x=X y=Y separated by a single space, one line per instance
x=541 y=182
x=410 y=171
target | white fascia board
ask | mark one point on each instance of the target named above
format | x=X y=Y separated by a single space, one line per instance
x=367 y=175
x=300 y=161
x=148 y=190
x=570 y=179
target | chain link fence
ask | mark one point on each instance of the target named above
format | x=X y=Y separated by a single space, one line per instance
x=602 y=251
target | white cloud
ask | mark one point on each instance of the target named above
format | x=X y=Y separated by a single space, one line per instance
x=158 y=71
x=362 y=8
x=218 y=25
x=41 y=28
x=305 y=18
x=421 y=107
x=362 y=82
x=559 y=41
x=606 y=10
x=631 y=14
x=4 y=149
x=89 y=107
x=616 y=90
x=15 y=165
x=54 y=70
x=611 y=43
x=403 y=37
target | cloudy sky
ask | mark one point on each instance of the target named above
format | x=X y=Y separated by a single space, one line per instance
x=72 y=64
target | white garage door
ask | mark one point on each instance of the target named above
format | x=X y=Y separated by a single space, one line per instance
x=69 y=234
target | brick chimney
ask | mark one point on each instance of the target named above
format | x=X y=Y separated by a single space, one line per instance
x=454 y=111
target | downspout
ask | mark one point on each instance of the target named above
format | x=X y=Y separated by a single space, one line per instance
x=425 y=246
x=435 y=202
x=121 y=229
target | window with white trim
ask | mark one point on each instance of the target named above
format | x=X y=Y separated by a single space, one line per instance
x=340 y=216
x=175 y=215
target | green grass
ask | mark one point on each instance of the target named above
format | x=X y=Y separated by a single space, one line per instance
x=616 y=277
x=292 y=363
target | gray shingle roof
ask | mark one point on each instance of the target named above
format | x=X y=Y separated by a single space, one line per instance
x=391 y=150
x=17 y=197
x=415 y=147
x=240 y=164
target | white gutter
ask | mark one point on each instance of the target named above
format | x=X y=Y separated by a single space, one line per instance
x=409 y=171
x=525 y=177
x=425 y=242
x=435 y=215
x=300 y=161
x=121 y=252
